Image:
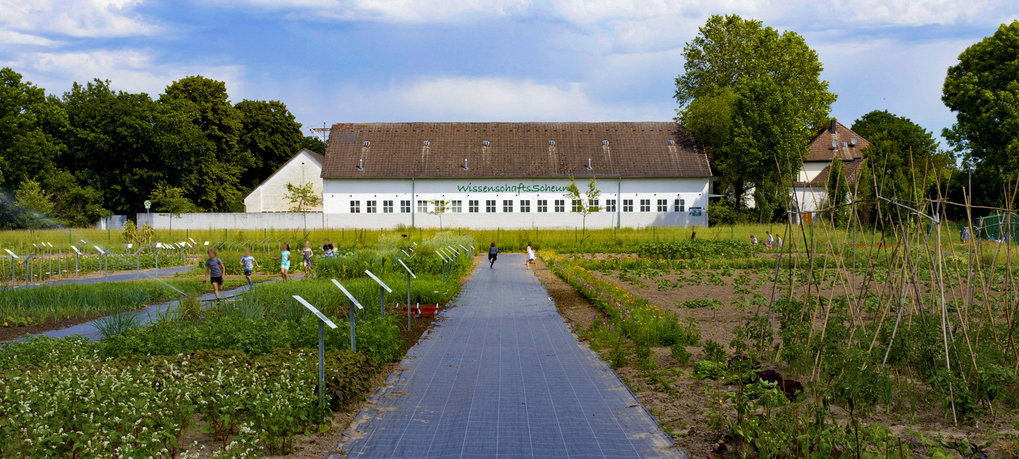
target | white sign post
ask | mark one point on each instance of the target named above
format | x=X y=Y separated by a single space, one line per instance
x=443 y=264
x=322 y=322
x=77 y=253
x=102 y=254
x=409 y=275
x=13 y=257
x=383 y=288
x=353 y=303
x=466 y=249
x=148 y=205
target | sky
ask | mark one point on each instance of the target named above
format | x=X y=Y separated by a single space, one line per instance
x=482 y=60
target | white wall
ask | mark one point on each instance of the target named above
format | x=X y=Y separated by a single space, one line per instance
x=269 y=196
x=339 y=193
x=811 y=169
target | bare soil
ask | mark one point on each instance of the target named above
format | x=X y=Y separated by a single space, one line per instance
x=683 y=404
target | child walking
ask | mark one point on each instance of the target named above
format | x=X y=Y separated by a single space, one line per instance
x=530 y=254
x=307 y=252
x=285 y=261
x=493 y=253
x=248 y=262
x=214 y=269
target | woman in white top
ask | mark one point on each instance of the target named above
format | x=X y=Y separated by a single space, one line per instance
x=530 y=254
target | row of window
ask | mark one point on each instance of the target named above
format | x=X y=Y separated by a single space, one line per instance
x=559 y=205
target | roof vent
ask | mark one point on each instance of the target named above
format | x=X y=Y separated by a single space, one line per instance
x=551 y=142
x=360 y=163
x=605 y=143
x=589 y=164
x=672 y=142
x=366 y=143
x=484 y=142
x=426 y=143
x=465 y=165
x=852 y=142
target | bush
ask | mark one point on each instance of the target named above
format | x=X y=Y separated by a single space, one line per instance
x=680 y=354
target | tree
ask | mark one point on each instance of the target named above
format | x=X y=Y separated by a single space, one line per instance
x=729 y=48
x=768 y=145
x=752 y=96
x=584 y=203
x=439 y=207
x=269 y=136
x=171 y=200
x=314 y=144
x=905 y=158
x=983 y=91
x=35 y=205
x=301 y=197
x=27 y=121
x=838 y=192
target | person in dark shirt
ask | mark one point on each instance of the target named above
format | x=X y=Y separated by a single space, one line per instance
x=214 y=269
x=328 y=249
x=493 y=253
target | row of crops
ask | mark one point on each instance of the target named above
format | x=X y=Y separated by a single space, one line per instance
x=240 y=376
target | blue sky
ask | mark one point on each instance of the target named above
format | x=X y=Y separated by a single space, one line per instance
x=481 y=60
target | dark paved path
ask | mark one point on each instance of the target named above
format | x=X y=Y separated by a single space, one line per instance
x=502 y=376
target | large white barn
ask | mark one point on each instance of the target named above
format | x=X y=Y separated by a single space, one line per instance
x=512 y=175
x=270 y=195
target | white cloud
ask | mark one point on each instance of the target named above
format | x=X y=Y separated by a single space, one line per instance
x=76 y=18
x=460 y=98
x=128 y=70
x=388 y=10
x=10 y=37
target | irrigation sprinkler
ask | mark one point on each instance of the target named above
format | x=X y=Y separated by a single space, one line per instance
x=353 y=303
x=383 y=288
x=409 y=275
x=322 y=322
x=77 y=253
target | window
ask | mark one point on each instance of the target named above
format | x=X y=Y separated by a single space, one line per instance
x=593 y=203
x=645 y=205
x=456 y=206
x=627 y=205
x=490 y=206
x=371 y=207
x=610 y=205
x=472 y=206
x=507 y=205
x=422 y=207
x=387 y=207
x=560 y=205
x=576 y=205
x=355 y=207
x=525 y=205
x=404 y=207
x=680 y=205
x=663 y=205
x=542 y=205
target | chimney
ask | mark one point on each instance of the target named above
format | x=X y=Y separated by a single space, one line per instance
x=832 y=128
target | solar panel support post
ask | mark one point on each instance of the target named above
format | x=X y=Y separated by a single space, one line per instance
x=322 y=322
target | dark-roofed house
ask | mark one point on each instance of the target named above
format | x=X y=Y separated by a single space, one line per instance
x=269 y=196
x=513 y=175
x=833 y=141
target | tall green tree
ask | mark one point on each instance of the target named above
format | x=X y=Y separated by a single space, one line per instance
x=206 y=104
x=752 y=96
x=903 y=160
x=768 y=145
x=729 y=48
x=983 y=91
x=270 y=135
x=28 y=121
x=36 y=204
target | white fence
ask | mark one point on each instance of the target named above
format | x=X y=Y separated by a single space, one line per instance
x=318 y=220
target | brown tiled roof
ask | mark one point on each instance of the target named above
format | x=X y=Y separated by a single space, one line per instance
x=319 y=157
x=821 y=149
x=398 y=150
x=852 y=170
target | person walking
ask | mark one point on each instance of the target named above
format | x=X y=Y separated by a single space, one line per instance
x=248 y=263
x=214 y=269
x=769 y=241
x=285 y=261
x=307 y=254
x=493 y=253
x=530 y=254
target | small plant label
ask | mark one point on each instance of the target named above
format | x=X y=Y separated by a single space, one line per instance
x=315 y=311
